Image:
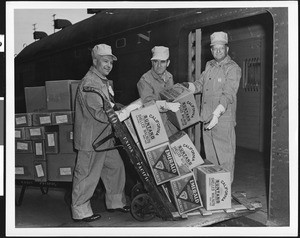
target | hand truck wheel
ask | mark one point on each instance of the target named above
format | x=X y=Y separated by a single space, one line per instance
x=137 y=189
x=142 y=208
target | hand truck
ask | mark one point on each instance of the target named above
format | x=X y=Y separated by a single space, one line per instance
x=149 y=199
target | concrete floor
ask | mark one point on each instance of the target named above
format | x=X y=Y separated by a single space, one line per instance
x=51 y=210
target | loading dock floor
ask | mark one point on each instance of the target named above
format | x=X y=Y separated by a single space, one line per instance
x=50 y=210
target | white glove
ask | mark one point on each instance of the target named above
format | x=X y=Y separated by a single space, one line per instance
x=164 y=106
x=122 y=114
x=216 y=114
x=112 y=104
x=214 y=121
x=192 y=87
x=111 y=91
x=134 y=105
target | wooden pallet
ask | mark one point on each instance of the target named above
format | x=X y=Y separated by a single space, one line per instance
x=241 y=206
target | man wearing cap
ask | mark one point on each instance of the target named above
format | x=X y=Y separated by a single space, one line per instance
x=156 y=80
x=91 y=121
x=219 y=84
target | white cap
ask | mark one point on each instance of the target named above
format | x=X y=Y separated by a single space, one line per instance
x=103 y=49
x=160 y=53
x=220 y=38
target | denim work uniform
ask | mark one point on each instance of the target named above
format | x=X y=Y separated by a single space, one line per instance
x=90 y=121
x=219 y=84
x=149 y=87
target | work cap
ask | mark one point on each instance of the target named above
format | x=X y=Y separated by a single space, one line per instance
x=218 y=38
x=103 y=49
x=160 y=53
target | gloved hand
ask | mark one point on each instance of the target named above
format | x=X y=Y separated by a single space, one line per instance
x=111 y=91
x=122 y=114
x=216 y=114
x=214 y=121
x=185 y=84
x=189 y=86
x=164 y=106
x=134 y=105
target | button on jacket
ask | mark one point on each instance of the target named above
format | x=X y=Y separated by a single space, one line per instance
x=90 y=117
x=149 y=87
x=219 y=84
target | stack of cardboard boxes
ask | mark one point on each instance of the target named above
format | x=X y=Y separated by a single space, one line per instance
x=44 y=134
x=171 y=160
x=175 y=163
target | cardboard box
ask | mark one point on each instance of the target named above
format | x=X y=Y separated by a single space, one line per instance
x=36 y=133
x=23 y=119
x=74 y=86
x=35 y=99
x=215 y=186
x=188 y=113
x=40 y=170
x=149 y=126
x=66 y=117
x=51 y=143
x=41 y=118
x=21 y=133
x=185 y=152
x=162 y=163
x=59 y=95
x=65 y=138
x=61 y=167
x=39 y=149
x=185 y=193
x=24 y=146
x=24 y=169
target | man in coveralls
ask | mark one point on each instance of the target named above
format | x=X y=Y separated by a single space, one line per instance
x=156 y=80
x=91 y=121
x=219 y=84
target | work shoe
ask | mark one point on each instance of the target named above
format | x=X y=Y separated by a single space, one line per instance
x=91 y=218
x=121 y=209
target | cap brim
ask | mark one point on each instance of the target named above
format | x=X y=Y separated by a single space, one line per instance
x=219 y=43
x=155 y=58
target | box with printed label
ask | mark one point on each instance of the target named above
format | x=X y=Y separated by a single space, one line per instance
x=188 y=113
x=185 y=152
x=149 y=126
x=66 y=117
x=162 y=163
x=51 y=142
x=35 y=98
x=41 y=118
x=23 y=119
x=24 y=169
x=21 y=133
x=39 y=149
x=59 y=95
x=215 y=186
x=65 y=138
x=185 y=193
x=36 y=133
x=61 y=167
x=40 y=170
x=74 y=86
x=24 y=146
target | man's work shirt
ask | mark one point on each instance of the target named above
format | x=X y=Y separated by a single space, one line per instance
x=219 y=84
x=90 y=117
x=149 y=87
x=151 y=84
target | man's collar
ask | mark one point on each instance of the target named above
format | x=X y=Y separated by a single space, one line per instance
x=159 y=77
x=95 y=71
x=224 y=61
